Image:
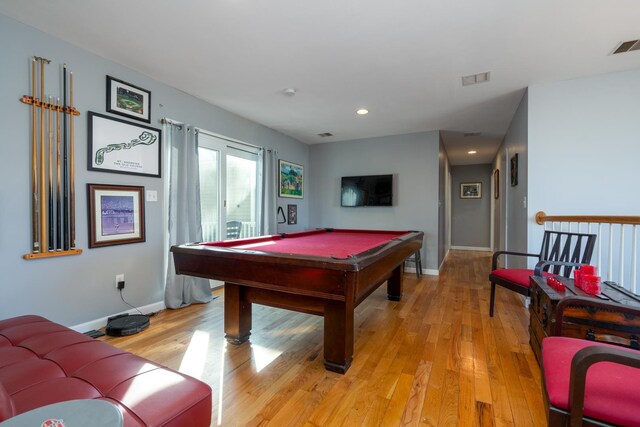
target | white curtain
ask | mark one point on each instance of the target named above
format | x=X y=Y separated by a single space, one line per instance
x=184 y=223
x=268 y=168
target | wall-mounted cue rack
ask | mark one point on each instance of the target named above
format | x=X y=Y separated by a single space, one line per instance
x=52 y=166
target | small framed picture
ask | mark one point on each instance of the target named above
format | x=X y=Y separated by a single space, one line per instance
x=514 y=170
x=471 y=190
x=292 y=214
x=116 y=214
x=128 y=100
x=291 y=180
x=496 y=184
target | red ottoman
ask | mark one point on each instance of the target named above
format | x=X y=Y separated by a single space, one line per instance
x=42 y=363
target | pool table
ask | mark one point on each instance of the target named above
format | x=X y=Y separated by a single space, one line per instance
x=325 y=272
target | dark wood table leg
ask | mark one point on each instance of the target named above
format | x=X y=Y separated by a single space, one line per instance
x=237 y=314
x=338 y=336
x=394 y=284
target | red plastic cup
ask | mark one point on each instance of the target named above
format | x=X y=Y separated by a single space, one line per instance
x=591 y=284
x=577 y=278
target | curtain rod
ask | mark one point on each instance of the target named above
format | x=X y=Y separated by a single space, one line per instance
x=226 y=138
x=171 y=122
x=216 y=135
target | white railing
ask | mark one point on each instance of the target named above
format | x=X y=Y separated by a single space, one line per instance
x=249 y=229
x=210 y=231
x=616 y=253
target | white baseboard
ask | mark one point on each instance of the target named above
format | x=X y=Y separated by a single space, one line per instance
x=427 y=271
x=444 y=259
x=471 y=248
x=102 y=322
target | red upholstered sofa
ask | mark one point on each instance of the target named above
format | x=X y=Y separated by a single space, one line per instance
x=42 y=362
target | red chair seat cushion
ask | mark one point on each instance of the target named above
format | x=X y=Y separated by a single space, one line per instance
x=611 y=393
x=516 y=275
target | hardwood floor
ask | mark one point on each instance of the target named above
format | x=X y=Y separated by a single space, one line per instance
x=434 y=359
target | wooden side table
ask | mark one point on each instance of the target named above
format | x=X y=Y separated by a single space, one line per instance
x=72 y=413
x=588 y=324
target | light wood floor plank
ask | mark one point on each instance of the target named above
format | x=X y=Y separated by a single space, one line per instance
x=435 y=358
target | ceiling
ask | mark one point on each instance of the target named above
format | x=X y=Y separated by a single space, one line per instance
x=402 y=60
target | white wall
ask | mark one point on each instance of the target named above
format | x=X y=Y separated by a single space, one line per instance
x=77 y=289
x=413 y=161
x=584 y=148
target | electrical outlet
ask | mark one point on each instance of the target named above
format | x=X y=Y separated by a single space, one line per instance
x=119 y=280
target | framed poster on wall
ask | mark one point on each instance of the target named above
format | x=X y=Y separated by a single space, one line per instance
x=116 y=214
x=291 y=180
x=119 y=146
x=471 y=190
x=128 y=100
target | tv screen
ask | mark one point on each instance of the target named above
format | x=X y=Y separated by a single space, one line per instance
x=371 y=190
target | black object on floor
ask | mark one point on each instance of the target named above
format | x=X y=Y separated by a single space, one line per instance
x=94 y=334
x=125 y=324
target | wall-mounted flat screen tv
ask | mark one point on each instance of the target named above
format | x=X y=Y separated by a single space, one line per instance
x=371 y=190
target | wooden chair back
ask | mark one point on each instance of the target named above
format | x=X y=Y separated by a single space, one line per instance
x=565 y=250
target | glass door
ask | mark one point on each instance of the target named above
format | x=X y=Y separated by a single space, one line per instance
x=241 y=193
x=228 y=188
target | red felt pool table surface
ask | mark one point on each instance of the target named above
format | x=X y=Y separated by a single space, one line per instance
x=324 y=272
x=336 y=243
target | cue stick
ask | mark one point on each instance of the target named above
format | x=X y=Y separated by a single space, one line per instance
x=59 y=188
x=34 y=163
x=65 y=182
x=43 y=208
x=50 y=189
x=72 y=196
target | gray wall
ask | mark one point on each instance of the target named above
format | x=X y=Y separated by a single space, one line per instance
x=78 y=289
x=584 y=140
x=470 y=218
x=413 y=161
x=443 y=214
x=513 y=199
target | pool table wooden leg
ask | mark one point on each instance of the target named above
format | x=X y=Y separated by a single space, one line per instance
x=237 y=314
x=338 y=336
x=394 y=284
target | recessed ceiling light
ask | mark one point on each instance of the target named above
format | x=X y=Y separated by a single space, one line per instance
x=472 y=152
x=362 y=111
x=289 y=91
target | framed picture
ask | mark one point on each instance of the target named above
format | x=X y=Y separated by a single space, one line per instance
x=514 y=170
x=292 y=214
x=496 y=184
x=291 y=179
x=119 y=146
x=116 y=214
x=128 y=100
x=471 y=190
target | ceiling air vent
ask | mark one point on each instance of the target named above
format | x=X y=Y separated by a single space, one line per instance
x=468 y=134
x=325 y=134
x=476 y=78
x=627 y=46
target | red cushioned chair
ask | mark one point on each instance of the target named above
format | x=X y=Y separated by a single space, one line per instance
x=592 y=383
x=560 y=250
